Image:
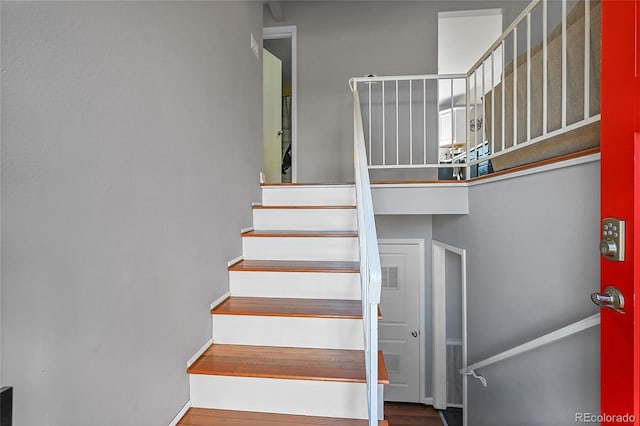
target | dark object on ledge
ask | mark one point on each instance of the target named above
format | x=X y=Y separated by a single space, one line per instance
x=6 y=406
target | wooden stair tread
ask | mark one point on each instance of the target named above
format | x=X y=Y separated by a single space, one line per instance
x=287 y=307
x=296 y=266
x=296 y=184
x=258 y=207
x=288 y=233
x=334 y=365
x=209 y=417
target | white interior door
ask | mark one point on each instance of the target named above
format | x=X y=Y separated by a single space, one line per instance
x=400 y=331
x=272 y=116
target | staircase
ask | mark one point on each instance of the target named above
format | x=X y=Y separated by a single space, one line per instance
x=288 y=341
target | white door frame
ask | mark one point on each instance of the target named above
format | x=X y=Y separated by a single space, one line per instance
x=290 y=31
x=439 y=324
x=421 y=310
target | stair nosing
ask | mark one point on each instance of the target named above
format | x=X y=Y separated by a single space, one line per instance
x=295 y=266
x=383 y=377
x=298 y=234
x=303 y=207
x=307 y=185
x=218 y=309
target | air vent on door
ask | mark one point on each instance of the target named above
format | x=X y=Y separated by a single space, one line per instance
x=390 y=277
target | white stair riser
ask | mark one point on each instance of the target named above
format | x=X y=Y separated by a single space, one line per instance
x=304 y=397
x=324 y=333
x=303 y=285
x=305 y=219
x=309 y=196
x=300 y=248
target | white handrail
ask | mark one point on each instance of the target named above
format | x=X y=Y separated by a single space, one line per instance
x=370 y=271
x=554 y=336
x=404 y=78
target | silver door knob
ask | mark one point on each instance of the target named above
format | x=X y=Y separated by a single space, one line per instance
x=414 y=333
x=611 y=298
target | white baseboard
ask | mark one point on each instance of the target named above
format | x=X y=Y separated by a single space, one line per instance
x=247 y=229
x=427 y=401
x=181 y=413
x=234 y=261
x=220 y=299
x=199 y=352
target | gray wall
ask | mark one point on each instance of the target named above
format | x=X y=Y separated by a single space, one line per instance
x=131 y=148
x=415 y=227
x=532 y=261
x=339 y=40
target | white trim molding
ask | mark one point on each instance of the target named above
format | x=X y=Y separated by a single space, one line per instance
x=439 y=323
x=540 y=169
x=290 y=31
x=199 y=352
x=180 y=414
x=220 y=299
x=239 y=258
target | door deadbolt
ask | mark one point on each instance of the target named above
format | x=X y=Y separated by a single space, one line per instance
x=414 y=333
x=612 y=243
x=611 y=298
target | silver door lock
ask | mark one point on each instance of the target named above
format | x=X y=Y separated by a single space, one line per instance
x=612 y=244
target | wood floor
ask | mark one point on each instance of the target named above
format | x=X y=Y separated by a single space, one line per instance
x=396 y=414
x=405 y=414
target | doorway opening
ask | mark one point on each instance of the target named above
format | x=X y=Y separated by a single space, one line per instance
x=462 y=37
x=281 y=42
x=449 y=301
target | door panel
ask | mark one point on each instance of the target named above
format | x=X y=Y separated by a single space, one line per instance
x=272 y=116
x=620 y=198
x=399 y=330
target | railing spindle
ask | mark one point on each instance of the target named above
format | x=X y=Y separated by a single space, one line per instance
x=503 y=93
x=453 y=121
x=475 y=111
x=369 y=99
x=493 y=106
x=424 y=120
x=587 y=57
x=397 y=129
x=515 y=85
x=384 y=132
x=564 y=63
x=410 y=121
x=482 y=96
x=528 y=76
x=545 y=71
x=467 y=173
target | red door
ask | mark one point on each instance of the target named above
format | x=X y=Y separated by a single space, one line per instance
x=620 y=198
